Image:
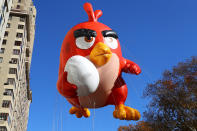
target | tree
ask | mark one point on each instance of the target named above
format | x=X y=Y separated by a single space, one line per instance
x=140 y=126
x=173 y=103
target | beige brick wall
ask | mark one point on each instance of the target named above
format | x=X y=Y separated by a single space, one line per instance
x=22 y=13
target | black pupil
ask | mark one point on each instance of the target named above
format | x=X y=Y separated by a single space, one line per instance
x=89 y=38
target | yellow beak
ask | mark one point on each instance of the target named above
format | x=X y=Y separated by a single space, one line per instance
x=100 y=54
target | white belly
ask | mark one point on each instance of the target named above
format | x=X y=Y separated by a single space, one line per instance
x=82 y=73
x=108 y=74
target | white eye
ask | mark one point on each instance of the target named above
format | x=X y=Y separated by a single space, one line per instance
x=84 y=42
x=111 y=42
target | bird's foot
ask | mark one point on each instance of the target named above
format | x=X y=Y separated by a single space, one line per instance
x=123 y=112
x=79 y=112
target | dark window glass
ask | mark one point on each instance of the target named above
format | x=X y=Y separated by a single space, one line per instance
x=2 y=50
x=12 y=71
x=8 y=92
x=18 y=7
x=16 y=51
x=3 y=128
x=6 y=34
x=27 y=52
x=3 y=116
x=11 y=81
x=19 y=35
x=1 y=59
x=22 y=19
x=8 y=25
x=4 y=42
x=6 y=103
x=10 y=17
x=17 y=43
x=20 y=26
x=14 y=61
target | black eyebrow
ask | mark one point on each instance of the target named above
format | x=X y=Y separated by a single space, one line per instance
x=84 y=32
x=110 y=33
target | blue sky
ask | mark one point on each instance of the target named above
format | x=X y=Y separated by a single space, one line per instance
x=155 y=34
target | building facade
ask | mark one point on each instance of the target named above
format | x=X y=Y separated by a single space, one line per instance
x=15 y=60
x=5 y=6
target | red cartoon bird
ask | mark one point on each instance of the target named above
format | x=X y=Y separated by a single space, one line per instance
x=91 y=65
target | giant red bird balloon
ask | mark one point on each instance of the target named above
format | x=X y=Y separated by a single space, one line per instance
x=91 y=65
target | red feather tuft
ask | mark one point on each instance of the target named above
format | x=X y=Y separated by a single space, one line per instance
x=98 y=13
x=93 y=16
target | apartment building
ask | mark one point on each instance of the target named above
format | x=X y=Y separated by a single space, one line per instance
x=5 y=6
x=15 y=61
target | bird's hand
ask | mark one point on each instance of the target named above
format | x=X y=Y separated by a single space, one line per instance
x=131 y=67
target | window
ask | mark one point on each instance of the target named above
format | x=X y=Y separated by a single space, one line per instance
x=19 y=35
x=6 y=34
x=4 y=42
x=8 y=92
x=3 y=116
x=3 y=128
x=12 y=71
x=16 y=51
x=2 y=50
x=10 y=17
x=18 y=7
x=22 y=19
x=20 y=26
x=6 y=103
x=17 y=43
x=13 y=61
x=11 y=81
x=8 y=25
x=19 y=1
x=27 y=52
x=1 y=59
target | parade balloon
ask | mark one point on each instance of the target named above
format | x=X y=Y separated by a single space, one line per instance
x=91 y=66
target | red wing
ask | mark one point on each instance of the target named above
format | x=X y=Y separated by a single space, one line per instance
x=65 y=88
